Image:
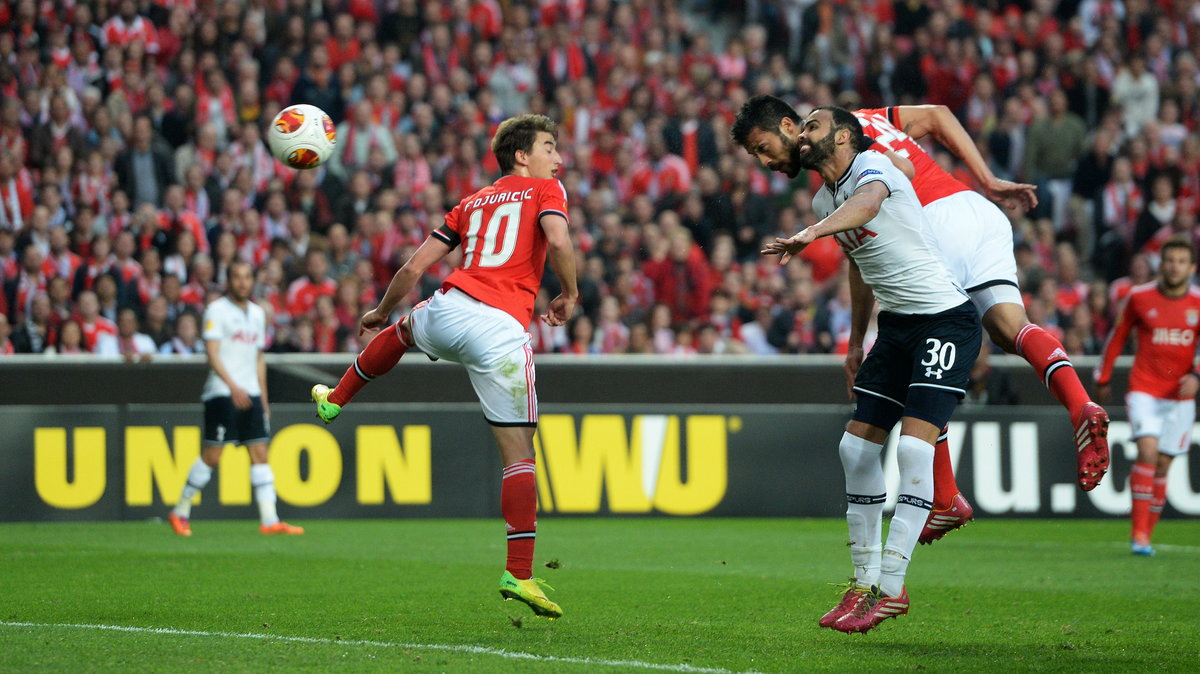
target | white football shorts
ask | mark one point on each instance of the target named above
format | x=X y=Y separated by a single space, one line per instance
x=1170 y=420
x=976 y=243
x=491 y=344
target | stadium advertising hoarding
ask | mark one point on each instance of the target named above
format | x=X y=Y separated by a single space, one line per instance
x=96 y=462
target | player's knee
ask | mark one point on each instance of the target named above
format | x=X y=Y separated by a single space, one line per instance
x=211 y=456
x=912 y=453
x=1002 y=323
x=857 y=453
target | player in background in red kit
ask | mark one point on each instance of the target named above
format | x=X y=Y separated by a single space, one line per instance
x=478 y=319
x=1163 y=382
x=975 y=239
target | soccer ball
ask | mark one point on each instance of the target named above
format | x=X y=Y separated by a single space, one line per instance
x=302 y=136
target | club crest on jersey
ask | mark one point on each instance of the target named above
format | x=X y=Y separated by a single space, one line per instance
x=1193 y=317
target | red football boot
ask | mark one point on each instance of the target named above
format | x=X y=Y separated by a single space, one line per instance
x=942 y=522
x=871 y=610
x=849 y=599
x=1091 y=440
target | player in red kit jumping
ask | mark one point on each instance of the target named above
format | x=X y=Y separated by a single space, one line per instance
x=1163 y=382
x=975 y=239
x=478 y=319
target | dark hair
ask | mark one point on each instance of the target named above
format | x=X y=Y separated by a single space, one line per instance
x=763 y=112
x=844 y=119
x=1178 y=242
x=518 y=134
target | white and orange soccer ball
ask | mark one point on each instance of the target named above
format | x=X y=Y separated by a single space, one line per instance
x=302 y=136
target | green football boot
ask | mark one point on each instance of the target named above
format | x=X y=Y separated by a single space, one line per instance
x=530 y=592
x=326 y=410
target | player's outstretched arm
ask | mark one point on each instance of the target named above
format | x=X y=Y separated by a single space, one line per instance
x=858 y=210
x=561 y=253
x=919 y=121
x=432 y=250
x=1112 y=348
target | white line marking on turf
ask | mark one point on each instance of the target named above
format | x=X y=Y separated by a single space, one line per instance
x=454 y=648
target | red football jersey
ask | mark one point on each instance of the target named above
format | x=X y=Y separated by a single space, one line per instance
x=931 y=182
x=1166 y=340
x=504 y=247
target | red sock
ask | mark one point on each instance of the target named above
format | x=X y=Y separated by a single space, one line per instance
x=1157 y=502
x=1049 y=360
x=518 y=505
x=944 y=486
x=1141 y=487
x=380 y=356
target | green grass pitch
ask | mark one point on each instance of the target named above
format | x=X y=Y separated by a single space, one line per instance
x=639 y=595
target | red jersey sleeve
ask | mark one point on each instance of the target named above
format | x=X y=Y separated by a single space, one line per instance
x=449 y=233
x=553 y=200
x=1116 y=341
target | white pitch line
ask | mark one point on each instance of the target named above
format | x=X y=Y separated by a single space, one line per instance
x=453 y=648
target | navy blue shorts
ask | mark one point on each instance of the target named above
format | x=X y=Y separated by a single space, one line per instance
x=919 y=366
x=226 y=424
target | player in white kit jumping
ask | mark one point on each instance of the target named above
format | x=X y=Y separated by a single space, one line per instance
x=917 y=371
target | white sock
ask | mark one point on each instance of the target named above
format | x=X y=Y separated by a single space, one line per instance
x=891 y=581
x=915 y=458
x=197 y=478
x=866 y=491
x=263 y=480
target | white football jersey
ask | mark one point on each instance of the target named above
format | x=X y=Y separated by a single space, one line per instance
x=242 y=335
x=891 y=250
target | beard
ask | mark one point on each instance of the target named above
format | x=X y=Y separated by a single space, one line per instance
x=818 y=153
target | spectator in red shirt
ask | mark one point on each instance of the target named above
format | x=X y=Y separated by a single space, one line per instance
x=303 y=292
x=681 y=277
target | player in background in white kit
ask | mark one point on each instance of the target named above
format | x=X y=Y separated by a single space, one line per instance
x=975 y=240
x=1162 y=383
x=478 y=318
x=917 y=371
x=236 y=410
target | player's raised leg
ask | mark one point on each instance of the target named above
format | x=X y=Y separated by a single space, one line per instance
x=379 y=357
x=1011 y=330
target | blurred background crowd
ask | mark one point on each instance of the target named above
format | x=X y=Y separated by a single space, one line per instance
x=133 y=169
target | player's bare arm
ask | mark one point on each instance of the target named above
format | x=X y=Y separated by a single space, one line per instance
x=262 y=384
x=919 y=121
x=561 y=253
x=858 y=210
x=432 y=250
x=241 y=400
x=862 y=303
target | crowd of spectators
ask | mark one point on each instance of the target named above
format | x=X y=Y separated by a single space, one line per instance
x=133 y=168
